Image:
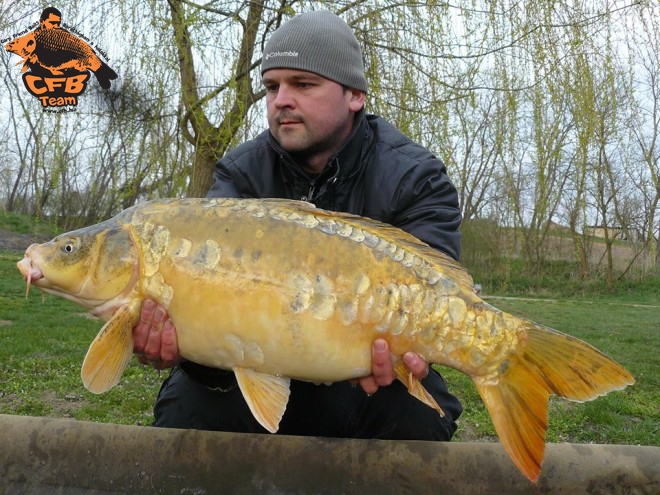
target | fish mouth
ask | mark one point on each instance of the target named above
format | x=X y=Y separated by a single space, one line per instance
x=30 y=272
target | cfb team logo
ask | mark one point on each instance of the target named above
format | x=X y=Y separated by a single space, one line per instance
x=57 y=63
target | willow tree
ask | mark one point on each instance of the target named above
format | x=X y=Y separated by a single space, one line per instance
x=499 y=90
x=403 y=46
x=119 y=145
x=644 y=124
x=209 y=139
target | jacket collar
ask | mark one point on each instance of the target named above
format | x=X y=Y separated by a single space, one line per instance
x=342 y=165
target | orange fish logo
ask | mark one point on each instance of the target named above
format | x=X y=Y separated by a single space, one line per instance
x=56 y=63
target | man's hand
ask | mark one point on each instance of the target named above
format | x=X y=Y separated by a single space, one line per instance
x=382 y=368
x=154 y=338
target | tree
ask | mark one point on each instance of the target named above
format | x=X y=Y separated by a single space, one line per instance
x=211 y=141
x=644 y=46
x=509 y=95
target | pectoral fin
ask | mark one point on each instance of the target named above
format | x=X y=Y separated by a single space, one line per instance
x=266 y=395
x=110 y=352
x=415 y=387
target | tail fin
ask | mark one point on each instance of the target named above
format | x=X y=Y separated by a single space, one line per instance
x=549 y=362
x=104 y=75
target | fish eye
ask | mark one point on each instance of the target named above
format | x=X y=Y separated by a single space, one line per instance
x=69 y=246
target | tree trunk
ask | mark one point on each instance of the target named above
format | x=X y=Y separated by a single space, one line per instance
x=211 y=141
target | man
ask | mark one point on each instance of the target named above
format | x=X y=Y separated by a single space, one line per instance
x=50 y=18
x=321 y=147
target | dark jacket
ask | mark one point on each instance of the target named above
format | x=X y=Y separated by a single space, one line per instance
x=378 y=173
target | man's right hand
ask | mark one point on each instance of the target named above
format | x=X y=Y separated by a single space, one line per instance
x=154 y=338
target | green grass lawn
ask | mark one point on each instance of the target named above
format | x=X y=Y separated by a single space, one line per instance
x=42 y=346
x=24 y=224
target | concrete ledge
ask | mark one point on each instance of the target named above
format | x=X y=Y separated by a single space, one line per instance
x=56 y=456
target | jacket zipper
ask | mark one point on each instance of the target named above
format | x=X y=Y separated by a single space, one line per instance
x=310 y=193
x=329 y=181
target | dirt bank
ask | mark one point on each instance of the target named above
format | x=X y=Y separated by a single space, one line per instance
x=10 y=241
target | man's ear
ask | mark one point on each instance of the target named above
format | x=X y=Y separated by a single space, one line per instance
x=356 y=102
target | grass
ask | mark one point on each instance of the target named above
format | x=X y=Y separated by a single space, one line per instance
x=24 y=224
x=556 y=278
x=42 y=346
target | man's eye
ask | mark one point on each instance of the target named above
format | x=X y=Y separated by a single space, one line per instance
x=272 y=88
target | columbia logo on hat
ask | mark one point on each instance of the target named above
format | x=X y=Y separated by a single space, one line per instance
x=281 y=54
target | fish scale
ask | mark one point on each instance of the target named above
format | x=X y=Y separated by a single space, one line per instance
x=277 y=289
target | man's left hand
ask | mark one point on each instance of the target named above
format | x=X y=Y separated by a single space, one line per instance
x=382 y=368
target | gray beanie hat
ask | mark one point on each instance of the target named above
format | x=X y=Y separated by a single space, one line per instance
x=318 y=42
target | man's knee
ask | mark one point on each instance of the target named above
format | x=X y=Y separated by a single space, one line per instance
x=184 y=403
x=393 y=414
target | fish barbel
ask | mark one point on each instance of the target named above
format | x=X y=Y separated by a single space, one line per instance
x=278 y=289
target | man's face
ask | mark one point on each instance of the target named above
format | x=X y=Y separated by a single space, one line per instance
x=310 y=116
x=51 y=22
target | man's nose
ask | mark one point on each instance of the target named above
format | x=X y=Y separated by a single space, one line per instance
x=284 y=98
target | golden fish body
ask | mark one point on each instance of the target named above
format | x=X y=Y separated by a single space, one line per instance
x=276 y=289
x=300 y=294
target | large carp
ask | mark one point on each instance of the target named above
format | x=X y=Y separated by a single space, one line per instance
x=277 y=289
